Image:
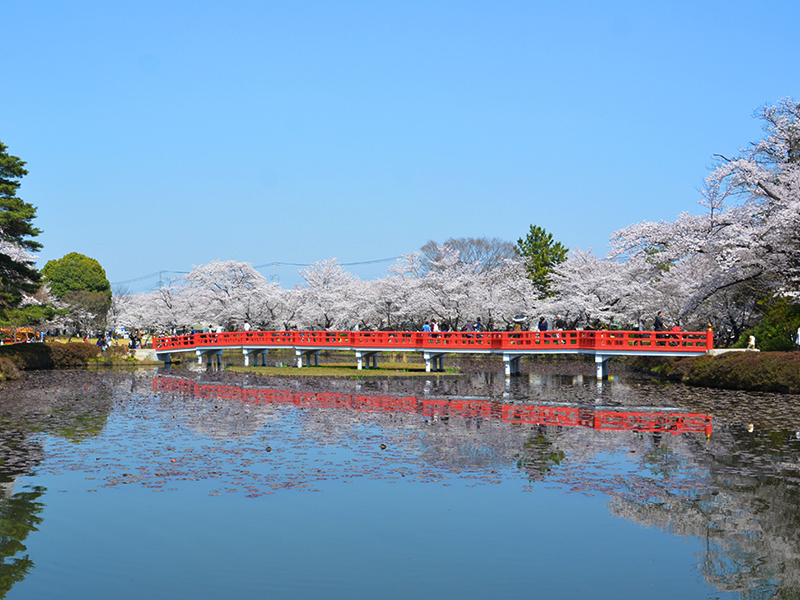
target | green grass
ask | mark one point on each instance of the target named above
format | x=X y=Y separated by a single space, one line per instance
x=341 y=370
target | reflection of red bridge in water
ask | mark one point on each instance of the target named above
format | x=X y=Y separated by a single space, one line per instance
x=512 y=345
x=665 y=421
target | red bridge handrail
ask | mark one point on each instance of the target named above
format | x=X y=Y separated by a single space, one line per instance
x=464 y=341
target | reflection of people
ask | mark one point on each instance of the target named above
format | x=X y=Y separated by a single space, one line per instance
x=751 y=343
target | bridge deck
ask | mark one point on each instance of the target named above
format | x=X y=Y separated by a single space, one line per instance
x=510 y=344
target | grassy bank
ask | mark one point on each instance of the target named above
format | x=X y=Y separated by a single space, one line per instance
x=776 y=372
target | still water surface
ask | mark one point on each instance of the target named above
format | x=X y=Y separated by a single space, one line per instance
x=153 y=484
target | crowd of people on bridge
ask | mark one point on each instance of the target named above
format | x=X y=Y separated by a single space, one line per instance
x=434 y=326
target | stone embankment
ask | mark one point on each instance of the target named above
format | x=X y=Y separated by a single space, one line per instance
x=775 y=372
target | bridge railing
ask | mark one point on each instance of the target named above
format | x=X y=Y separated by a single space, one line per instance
x=478 y=341
x=654 y=341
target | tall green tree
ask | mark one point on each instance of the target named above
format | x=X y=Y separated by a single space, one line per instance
x=75 y=272
x=81 y=282
x=18 y=275
x=541 y=254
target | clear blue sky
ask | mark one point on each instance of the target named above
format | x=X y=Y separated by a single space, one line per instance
x=162 y=135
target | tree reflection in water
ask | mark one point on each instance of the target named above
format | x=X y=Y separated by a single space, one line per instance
x=19 y=516
x=736 y=491
x=745 y=510
x=30 y=408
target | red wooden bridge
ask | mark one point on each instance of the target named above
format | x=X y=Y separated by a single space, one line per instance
x=606 y=419
x=511 y=345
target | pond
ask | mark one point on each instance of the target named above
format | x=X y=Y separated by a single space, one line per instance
x=170 y=484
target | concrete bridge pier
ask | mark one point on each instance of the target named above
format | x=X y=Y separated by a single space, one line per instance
x=255 y=353
x=434 y=361
x=211 y=354
x=511 y=362
x=307 y=355
x=371 y=357
x=601 y=361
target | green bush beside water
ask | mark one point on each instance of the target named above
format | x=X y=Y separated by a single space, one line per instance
x=15 y=358
x=775 y=372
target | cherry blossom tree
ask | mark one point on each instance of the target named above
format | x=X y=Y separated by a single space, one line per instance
x=398 y=297
x=747 y=244
x=331 y=299
x=592 y=292
x=484 y=253
x=451 y=290
x=508 y=292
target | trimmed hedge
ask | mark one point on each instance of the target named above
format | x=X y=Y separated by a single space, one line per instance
x=25 y=357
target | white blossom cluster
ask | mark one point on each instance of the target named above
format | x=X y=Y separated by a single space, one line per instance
x=229 y=294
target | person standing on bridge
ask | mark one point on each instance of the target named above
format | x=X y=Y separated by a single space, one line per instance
x=561 y=325
x=543 y=326
x=658 y=325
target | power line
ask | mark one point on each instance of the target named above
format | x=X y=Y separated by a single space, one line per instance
x=276 y=263
x=350 y=264
x=143 y=277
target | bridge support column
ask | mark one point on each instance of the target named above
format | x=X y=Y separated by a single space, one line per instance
x=255 y=353
x=164 y=357
x=371 y=356
x=511 y=362
x=601 y=362
x=435 y=360
x=211 y=354
x=307 y=355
